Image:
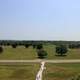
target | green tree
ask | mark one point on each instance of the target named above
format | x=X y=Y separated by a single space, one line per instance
x=1 y=49
x=27 y=45
x=39 y=46
x=42 y=53
x=61 y=50
x=14 y=45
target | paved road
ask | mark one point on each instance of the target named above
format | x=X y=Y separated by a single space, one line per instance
x=39 y=61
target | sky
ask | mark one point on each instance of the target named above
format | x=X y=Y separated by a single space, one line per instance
x=40 y=20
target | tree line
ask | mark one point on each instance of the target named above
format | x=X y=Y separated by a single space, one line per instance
x=23 y=42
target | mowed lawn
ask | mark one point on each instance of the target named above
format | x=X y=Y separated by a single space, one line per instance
x=29 y=53
x=61 y=71
x=19 y=72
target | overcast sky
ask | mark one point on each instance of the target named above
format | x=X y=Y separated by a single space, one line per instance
x=40 y=19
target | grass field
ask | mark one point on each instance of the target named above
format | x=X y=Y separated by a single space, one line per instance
x=30 y=53
x=19 y=72
x=18 y=53
x=61 y=71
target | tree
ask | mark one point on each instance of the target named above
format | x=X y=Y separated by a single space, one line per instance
x=61 y=50
x=27 y=45
x=34 y=45
x=39 y=46
x=1 y=49
x=14 y=45
x=42 y=53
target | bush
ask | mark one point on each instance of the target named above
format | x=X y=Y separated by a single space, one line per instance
x=42 y=53
x=61 y=50
x=40 y=46
x=14 y=45
x=1 y=49
x=34 y=46
x=27 y=45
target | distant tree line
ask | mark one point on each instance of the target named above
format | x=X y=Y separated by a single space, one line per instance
x=74 y=46
x=34 y=43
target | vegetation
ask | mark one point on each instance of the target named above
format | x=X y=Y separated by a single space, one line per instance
x=62 y=71
x=61 y=50
x=42 y=53
x=75 y=77
x=29 y=53
x=27 y=45
x=39 y=46
x=19 y=72
x=34 y=46
x=21 y=53
x=14 y=45
x=10 y=42
x=1 y=49
x=74 y=46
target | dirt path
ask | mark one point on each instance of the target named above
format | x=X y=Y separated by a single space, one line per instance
x=39 y=74
x=39 y=61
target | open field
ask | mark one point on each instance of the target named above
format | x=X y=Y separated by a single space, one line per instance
x=19 y=72
x=21 y=52
x=18 y=53
x=61 y=71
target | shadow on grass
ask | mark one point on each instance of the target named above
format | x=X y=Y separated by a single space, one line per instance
x=61 y=55
x=41 y=57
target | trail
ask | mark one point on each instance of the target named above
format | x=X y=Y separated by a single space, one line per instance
x=39 y=61
x=39 y=74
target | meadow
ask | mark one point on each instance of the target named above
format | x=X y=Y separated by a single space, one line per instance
x=19 y=72
x=61 y=71
x=23 y=53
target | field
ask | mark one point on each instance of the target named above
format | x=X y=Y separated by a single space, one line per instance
x=18 y=53
x=61 y=71
x=19 y=72
x=29 y=53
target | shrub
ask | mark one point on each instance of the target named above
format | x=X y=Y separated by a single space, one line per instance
x=39 y=46
x=27 y=45
x=14 y=45
x=1 y=49
x=42 y=53
x=34 y=45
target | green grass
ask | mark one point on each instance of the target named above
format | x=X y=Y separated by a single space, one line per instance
x=61 y=71
x=18 y=53
x=30 y=53
x=72 y=53
x=19 y=72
